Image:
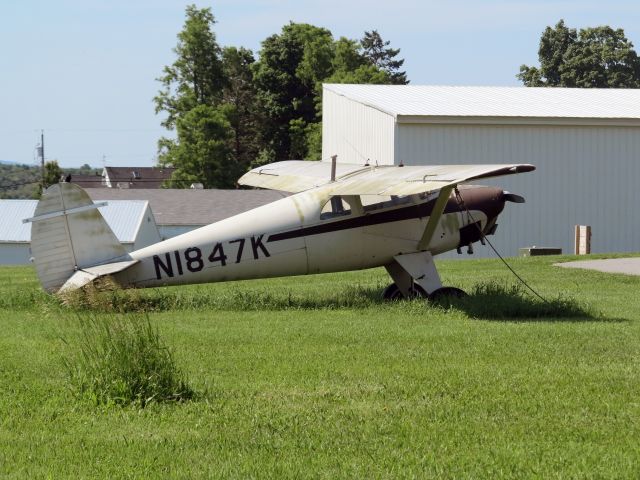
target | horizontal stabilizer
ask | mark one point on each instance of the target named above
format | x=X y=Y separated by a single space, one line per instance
x=87 y=275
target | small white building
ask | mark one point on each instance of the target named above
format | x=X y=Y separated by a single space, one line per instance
x=585 y=144
x=132 y=222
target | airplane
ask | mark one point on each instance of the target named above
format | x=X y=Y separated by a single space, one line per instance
x=339 y=217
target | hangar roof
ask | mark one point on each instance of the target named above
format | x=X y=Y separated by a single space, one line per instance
x=406 y=102
x=123 y=216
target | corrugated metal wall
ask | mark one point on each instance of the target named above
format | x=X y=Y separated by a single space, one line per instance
x=14 y=253
x=355 y=131
x=585 y=175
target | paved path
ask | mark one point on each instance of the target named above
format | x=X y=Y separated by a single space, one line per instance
x=628 y=266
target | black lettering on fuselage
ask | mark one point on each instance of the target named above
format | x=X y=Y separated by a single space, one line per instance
x=257 y=243
x=166 y=267
x=178 y=262
x=240 y=248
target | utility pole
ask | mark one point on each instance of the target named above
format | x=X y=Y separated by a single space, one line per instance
x=41 y=153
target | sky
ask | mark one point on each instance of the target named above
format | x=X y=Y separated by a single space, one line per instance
x=84 y=71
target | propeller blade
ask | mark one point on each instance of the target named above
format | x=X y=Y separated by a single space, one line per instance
x=512 y=197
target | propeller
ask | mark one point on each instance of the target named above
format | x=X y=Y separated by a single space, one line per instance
x=512 y=197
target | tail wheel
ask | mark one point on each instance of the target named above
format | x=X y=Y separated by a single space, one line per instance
x=392 y=292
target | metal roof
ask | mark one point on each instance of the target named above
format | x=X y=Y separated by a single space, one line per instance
x=123 y=216
x=448 y=101
x=191 y=206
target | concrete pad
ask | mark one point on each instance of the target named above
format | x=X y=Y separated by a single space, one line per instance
x=627 y=266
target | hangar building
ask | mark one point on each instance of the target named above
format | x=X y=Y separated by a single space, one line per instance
x=585 y=144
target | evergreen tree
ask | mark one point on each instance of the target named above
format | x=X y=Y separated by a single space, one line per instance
x=382 y=56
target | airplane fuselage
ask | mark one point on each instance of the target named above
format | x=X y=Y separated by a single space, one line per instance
x=312 y=232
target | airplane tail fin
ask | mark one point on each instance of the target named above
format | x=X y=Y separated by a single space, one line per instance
x=69 y=236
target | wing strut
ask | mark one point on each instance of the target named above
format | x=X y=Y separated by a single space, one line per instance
x=435 y=216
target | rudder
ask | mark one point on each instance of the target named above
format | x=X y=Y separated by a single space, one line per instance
x=68 y=233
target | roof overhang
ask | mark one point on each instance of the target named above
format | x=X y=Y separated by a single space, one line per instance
x=541 y=121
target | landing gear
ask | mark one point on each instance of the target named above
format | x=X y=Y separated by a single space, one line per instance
x=443 y=296
x=415 y=276
x=393 y=292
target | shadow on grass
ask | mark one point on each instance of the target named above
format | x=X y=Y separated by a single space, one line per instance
x=115 y=300
x=493 y=301
x=490 y=301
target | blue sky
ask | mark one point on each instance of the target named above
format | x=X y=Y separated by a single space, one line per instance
x=84 y=70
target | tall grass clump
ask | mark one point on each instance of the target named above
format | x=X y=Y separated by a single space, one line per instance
x=121 y=359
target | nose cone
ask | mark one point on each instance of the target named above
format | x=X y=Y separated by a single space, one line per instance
x=488 y=200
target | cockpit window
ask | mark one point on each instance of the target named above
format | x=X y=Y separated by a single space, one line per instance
x=377 y=202
x=336 y=207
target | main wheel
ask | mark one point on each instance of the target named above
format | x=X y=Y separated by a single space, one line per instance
x=392 y=292
x=444 y=295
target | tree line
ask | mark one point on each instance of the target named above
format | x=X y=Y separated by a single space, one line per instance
x=600 y=57
x=231 y=111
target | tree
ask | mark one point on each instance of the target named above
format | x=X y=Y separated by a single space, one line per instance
x=201 y=152
x=196 y=77
x=52 y=173
x=381 y=56
x=291 y=64
x=598 y=57
x=289 y=76
x=239 y=96
x=194 y=89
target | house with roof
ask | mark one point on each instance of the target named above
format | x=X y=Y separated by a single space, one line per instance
x=132 y=222
x=134 y=177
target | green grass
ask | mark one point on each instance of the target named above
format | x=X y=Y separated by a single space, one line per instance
x=122 y=360
x=315 y=377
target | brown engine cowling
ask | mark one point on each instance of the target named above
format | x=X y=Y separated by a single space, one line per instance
x=488 y=200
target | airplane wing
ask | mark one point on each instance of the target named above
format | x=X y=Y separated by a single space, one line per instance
x=296 y=175
x=299 y=175
x=395 y=180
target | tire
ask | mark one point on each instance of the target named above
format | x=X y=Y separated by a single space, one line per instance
x=446 y=295
x=392 y=292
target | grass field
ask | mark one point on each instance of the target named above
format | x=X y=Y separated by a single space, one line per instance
x=316 y=377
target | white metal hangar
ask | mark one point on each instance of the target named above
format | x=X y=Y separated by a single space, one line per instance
x=585 y=144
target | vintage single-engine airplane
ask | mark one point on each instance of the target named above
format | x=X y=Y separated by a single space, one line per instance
x=340 y=217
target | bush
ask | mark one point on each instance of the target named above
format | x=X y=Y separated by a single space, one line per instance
x=121 y=359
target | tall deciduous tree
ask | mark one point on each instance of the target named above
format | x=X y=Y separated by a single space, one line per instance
x=598 y=57
x=201 y=151
x=289 y=76
x=192 y=97
x=290 y=65
x=239 y=97
x=382 y=56
x=196 y=77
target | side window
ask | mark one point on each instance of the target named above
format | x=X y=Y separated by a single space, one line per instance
x=377 y=202
x=335 y=207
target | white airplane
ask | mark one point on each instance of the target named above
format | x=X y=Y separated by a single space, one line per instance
x=341 y=217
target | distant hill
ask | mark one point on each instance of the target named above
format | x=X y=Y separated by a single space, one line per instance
x=22 y=181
